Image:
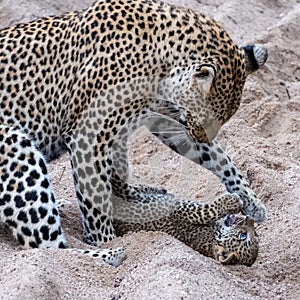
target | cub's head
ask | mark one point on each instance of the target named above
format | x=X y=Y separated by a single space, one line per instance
x=237 y=241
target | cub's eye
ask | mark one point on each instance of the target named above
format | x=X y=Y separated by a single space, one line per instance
x=243 y=236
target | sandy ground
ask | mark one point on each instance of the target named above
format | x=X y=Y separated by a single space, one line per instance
x=264 y=140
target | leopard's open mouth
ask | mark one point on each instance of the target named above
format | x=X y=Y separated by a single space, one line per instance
x=230 y=220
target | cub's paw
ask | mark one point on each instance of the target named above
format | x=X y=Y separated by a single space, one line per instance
x=230 y=203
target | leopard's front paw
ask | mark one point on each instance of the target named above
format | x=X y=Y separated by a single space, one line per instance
x=254 y=208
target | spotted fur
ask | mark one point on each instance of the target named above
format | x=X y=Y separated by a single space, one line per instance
x=209 y=228
x=76 y=82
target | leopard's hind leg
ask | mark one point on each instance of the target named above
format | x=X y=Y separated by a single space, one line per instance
x=27 y=203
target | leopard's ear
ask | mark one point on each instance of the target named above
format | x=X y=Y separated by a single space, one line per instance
x=224 y=256
x=256 y=56
x=229 y=259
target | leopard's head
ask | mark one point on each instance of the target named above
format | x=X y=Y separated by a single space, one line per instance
x=209 y=91
x=236 y=241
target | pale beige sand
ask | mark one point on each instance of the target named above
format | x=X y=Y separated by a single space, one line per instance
x=264 y=140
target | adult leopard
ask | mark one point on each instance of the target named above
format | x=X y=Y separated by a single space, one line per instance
x=75 y=82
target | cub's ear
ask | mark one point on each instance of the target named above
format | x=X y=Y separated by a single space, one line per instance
x=203 y=75
x=224 y=256
x=256 y=56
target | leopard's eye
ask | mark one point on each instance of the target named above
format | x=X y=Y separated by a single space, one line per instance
x=243 y=236
x=204 y=71
x=201 y=72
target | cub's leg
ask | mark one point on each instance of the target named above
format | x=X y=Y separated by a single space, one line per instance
x=203 y=214
x=169 y=214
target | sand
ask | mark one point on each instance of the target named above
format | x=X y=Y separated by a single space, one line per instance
x=263 y=139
